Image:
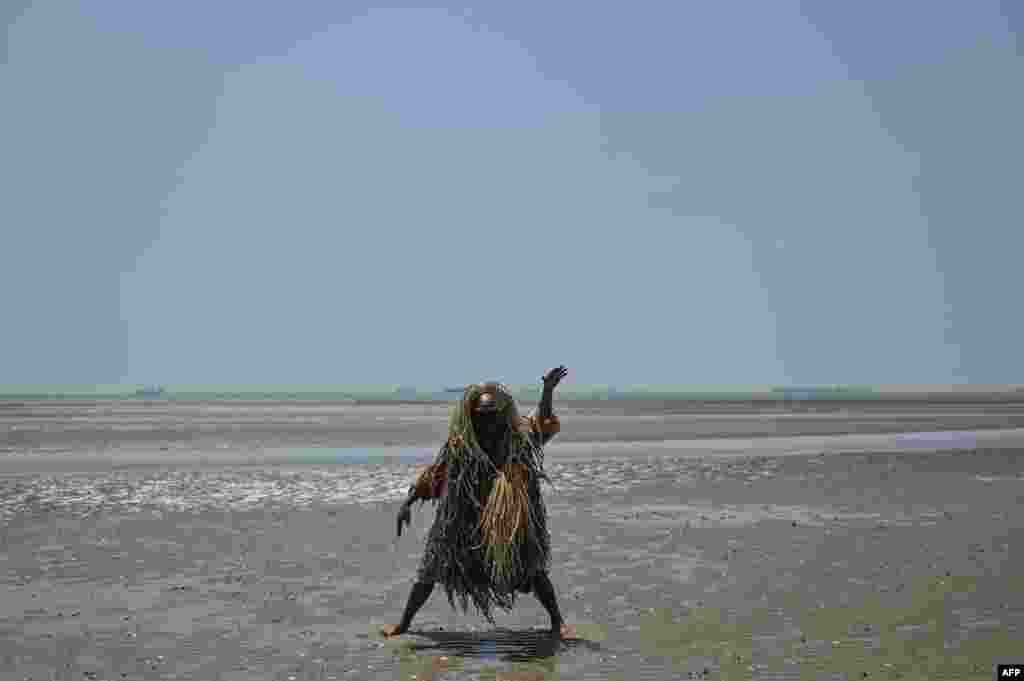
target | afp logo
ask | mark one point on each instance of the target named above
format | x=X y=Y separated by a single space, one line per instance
x=1010 y=671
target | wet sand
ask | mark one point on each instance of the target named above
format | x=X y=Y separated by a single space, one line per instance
x=672 y=561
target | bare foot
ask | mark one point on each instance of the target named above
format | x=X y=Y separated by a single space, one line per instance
x=391 y=630
x=564 y=632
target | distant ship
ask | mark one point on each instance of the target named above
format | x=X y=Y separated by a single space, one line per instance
x=454 y=390
x=153 y=391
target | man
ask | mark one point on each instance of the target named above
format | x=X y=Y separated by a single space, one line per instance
x=489 y=539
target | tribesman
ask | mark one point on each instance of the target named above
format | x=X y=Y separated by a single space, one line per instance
x=489 y=539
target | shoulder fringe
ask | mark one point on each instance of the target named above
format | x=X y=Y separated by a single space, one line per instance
x=431 y=481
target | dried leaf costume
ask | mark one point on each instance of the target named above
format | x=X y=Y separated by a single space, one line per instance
x=489 y=537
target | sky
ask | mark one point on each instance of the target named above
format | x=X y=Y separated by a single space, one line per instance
x=699 y=193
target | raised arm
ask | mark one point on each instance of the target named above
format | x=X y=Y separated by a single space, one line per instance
x=544 y=423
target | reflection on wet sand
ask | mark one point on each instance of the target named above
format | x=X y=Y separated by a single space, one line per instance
x=530 y=653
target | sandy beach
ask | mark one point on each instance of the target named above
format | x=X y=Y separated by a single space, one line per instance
x=257 y=542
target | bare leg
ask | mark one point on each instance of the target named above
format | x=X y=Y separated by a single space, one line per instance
x=417 y=597
x=545 y=592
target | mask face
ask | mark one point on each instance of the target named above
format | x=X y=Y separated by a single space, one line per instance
x=490 y=416
x=489 y=427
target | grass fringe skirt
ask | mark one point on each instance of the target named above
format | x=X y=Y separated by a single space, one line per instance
x=489 y=537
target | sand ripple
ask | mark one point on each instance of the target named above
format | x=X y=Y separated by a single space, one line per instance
x=238 y=489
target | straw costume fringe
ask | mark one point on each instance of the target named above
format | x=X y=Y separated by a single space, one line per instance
x=490 y=535
x=506 y=521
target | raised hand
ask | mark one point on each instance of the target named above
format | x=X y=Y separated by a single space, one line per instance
x=554 y=377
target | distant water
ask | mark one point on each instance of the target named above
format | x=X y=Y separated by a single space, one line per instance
x=450 y=392
x=234 y=432
x=394 y=394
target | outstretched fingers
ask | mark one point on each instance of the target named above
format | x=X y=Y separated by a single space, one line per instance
x=555 y=375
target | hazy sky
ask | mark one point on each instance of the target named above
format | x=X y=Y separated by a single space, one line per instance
x=712 y=192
